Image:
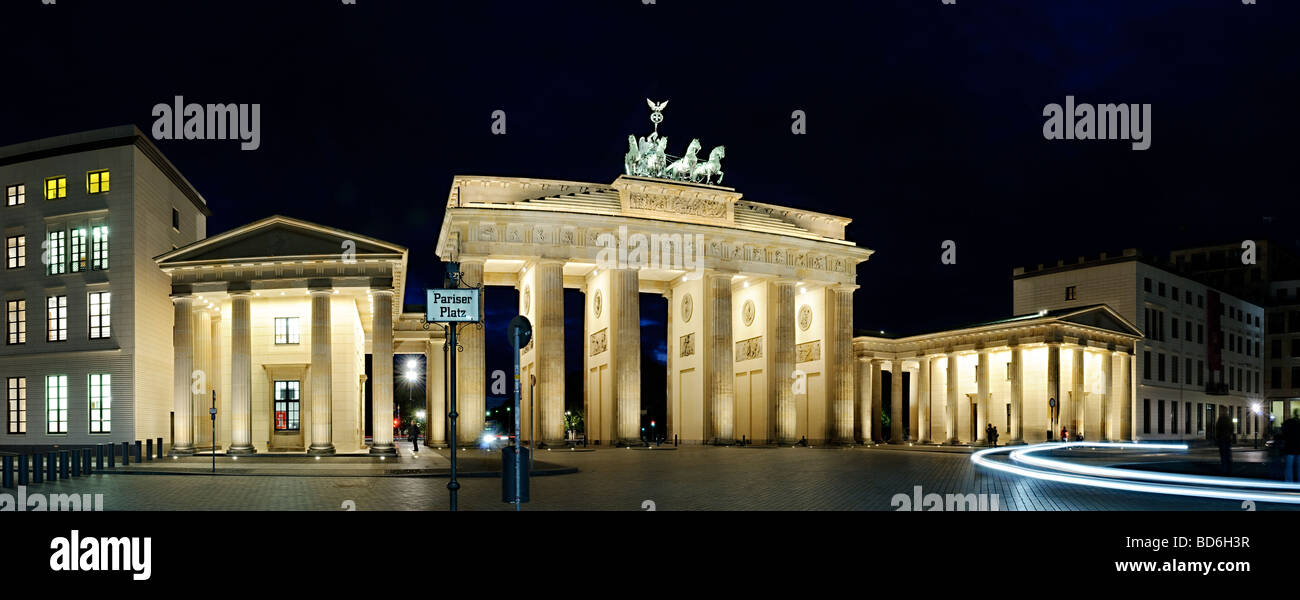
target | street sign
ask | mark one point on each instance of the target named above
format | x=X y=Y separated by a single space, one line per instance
x=453 y=305
x=1051 y=402
x=520 y=324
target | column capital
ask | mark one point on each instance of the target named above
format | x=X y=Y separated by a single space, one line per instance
x=382 y=290
x=320 y=286
x=184 y=297
x=843 y=287
x=549 y=261
x=785 y=281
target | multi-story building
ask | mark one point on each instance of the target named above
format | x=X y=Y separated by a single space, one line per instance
x=1282 y=348
x=1202 y=350
x=87 y=355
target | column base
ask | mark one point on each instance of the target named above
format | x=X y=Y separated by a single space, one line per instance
x=320 y=450
x=240 y=450
x=555 y=443
x=383 y=449
x=182 y=451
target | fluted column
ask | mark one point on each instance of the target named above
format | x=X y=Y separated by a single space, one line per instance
x=923 y=400
x=1126 y=397
x=1107 y=404
x=548 y=332
x=241 y=374
x=322 y=373
x=877 y=400
x=982 y=397
x=1077 y=402
x=1017 y=395
x=435 y=394
x=625 y=320
x=782 y=347
x=896 y=401
x=721 y=367
x=1054 y=384
x=203 y=360
x=950 y=405
x=183 y=368
x=471 y=367
x=381 y=388
x=863 y=391
x=841 y=337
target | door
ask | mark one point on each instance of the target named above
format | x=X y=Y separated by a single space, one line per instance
x=286 y=417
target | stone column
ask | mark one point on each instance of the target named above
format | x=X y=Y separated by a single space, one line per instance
x=782 y=348
x=241 y=374
x=1054 y=384
x=1077 y=403
x=1107 y=405
x=863 y=392
x=322 y=371
x=923 y=400
x=840 y=335
x=1017 y=395
x=982 y=397
x=548 y=332
x=471 y=367
x=381 y=387
x=1127 y=365
x=877 y=400
x=183 y=367
x=896 y=401
x=950 y=406
x=719 y=357
x=625 y=323
x=202 y=362
x=435 y=393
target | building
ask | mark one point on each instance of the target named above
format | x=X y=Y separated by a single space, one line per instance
x=1201 y=351
x=87 y=355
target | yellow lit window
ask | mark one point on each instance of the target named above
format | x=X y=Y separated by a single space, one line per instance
x=56 y=187
x=97 y=182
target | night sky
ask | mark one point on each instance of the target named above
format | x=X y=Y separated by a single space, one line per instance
x=924 y=120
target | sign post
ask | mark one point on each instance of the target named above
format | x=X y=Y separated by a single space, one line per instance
x=520 y=332
x=212 y=413
x=450 y=308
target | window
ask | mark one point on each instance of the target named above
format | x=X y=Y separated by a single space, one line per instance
x=1187 y=417
x=1200 y=417
x=15 y=195
x=1295 y=347
x=1146 y=415
x=1160 y=290
x=101 y=403
x=80 y=260
x=100 y=315
x=1146 y=284
x=1200 y=333
x=97 y=182
x=1173 y=369
x=1160 y=367
x=176 y=219
x=286 y=330
x=16 y=396
x=1070 y=293
x=1200 y=301
x=56 y=404
x=1146 y=364
x=1173 y=326
x=1189 y=297
x=1200 y=372
x=16 y=317
x=16 y=251
x=99 y=247
x=1160 y=418
x=1295 y=377
x=1187 y=330
x=56 y=319
x=1173 y=293
x=56 y=249
x=1187 y=372
x=286 y=405
x=56 y=187
x=1173 y=416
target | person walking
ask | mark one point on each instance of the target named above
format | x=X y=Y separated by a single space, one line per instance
x=1290 y=438
x=1223 y=437
x=994 y=437
x=415 y=438
x=1065 y=434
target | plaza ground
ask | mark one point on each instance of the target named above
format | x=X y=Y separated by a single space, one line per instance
x=688 y=478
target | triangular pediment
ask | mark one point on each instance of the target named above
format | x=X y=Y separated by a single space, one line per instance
x=276 y=238
x=1101 y=317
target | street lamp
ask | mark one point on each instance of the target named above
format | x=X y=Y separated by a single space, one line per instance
x=1255 y=408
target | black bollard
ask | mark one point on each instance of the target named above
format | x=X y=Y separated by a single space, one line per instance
x=38 y=475
x=63 y=465
x=112 y=455
x=22 y=469
x=148 y=447
x=126 y=454
x=85 y=461
x=74 y=456
x=160 y=454
x=99 y=457
x=8 y=478
x=139 y=451
x=52 y=467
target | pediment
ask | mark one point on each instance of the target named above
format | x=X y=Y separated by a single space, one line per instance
x=1101 y=317
x=279 y=238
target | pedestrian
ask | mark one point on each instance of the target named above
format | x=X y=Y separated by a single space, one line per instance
x=1223 y=437
x=995 y=436
x=415 y=438
x=1065 y=434
x=1290 y=438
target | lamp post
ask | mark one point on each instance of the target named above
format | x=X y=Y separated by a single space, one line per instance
x=1255 y=408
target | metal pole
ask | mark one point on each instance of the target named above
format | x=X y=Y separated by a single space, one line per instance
x=532 y=419
x=518 y=425
x=213 y=415
x=452 y=486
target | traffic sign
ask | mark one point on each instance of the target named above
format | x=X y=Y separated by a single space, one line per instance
x=520 y=324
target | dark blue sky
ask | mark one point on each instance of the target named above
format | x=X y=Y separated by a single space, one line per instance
x=924 y=119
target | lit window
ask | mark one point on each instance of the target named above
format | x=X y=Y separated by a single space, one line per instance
x=16 y=251
x=97 y=182
x=56 y=319
x=79 y=260
x=176 y=219
x=101 y=403
x=56 y=248
x=99 y=247
x=286 y=406
x=16 y=396
x=15 y=195
x=286 y=330
x=1070 y=293
x=56 y=187
x=16 y=317
x=56 y=404
x=99 y=315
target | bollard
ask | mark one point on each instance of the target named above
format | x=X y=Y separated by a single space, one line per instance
x=52 y=467
x=85 y=461
x=74 y=456
x=112 y=455
x=148 y=447
x=160 y=454
x=99 y=457
x=22 y=469
x=126 y=454
x=63 y=464
x=37 y=474
x=139 y=452
x=8 y=478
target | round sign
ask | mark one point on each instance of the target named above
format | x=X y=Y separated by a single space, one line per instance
x=521 y=325
x=1051 y=402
